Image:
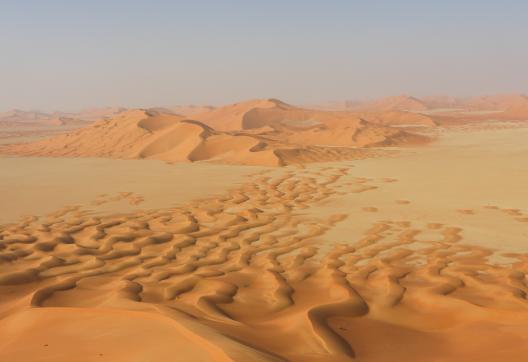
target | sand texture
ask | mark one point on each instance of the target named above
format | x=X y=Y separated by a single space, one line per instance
x=418 y=255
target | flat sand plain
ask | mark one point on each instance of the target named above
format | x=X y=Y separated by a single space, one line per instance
x=474 y=179
x=416 y=257
x=35 y=186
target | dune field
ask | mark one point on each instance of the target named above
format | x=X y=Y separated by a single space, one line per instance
x=263 y=231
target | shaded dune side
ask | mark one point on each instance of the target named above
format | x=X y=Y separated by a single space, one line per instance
x=251 y=272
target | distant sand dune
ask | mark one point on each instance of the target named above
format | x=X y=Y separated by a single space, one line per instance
x=272 y=112
x=268 y=133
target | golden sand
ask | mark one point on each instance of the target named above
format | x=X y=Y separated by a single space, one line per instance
x=415 y=256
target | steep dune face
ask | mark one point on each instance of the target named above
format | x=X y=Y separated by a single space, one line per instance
x=231 y=117
x=121 y=137
x=284 y=115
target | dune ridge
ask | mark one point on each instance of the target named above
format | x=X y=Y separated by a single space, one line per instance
x=275 y=113
x=268 y=132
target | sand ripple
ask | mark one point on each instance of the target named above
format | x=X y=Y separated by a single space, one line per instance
x=247 y=276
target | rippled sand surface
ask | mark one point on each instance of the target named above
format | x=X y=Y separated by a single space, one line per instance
x=416 y=257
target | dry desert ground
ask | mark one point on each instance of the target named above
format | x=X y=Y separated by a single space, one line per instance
x=396 y=230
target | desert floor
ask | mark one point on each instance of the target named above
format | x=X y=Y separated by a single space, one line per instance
x=418 y=256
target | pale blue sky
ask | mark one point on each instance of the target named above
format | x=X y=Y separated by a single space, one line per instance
x=72 y=54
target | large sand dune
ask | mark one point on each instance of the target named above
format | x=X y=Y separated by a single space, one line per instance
x=337 y=262
x=266 y=132
x=272 y=112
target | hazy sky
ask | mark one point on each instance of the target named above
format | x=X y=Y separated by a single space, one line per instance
x=73 y=54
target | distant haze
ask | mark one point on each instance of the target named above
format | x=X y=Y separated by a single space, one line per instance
x=76 y=54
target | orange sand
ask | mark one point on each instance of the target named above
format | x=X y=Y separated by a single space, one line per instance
x=416 y=257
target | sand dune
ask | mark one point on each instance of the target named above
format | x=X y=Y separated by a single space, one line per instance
x=231 y=117
x=395 y=103
x=343 y=261
x=499 y=102
x=190 y=110
x=438 y=108
x=18 y=117
x=274 y=113
x=245 y=277
x=140 y=134
x=266 y=132
x=415 y=257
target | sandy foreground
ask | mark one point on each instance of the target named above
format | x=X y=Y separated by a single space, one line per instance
x=419 y=256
